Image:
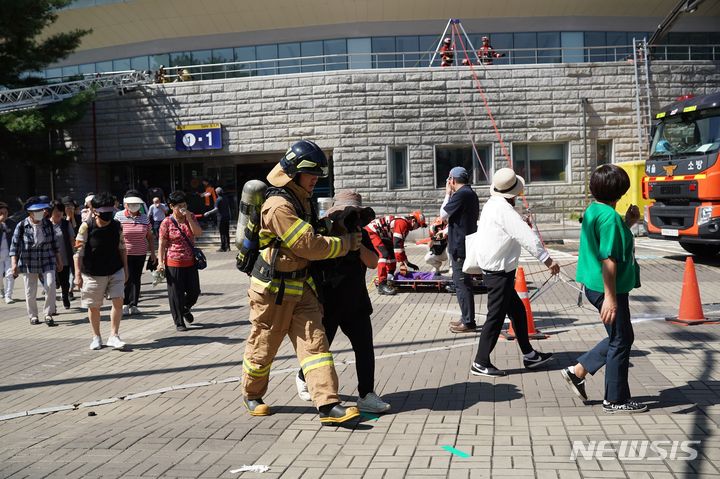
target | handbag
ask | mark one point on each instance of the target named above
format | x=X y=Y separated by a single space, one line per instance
x=200 y=259
x=151 y=265
x=470 y=265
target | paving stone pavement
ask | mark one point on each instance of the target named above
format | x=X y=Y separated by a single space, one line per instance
x=171 y=406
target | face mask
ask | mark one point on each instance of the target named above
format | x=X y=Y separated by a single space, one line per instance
x=38 y=215
x=106 y=216
x=134 y=208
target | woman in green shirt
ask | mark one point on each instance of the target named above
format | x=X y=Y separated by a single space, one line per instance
x=608 y=270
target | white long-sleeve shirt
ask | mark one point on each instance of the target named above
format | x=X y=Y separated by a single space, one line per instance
x=502 y=232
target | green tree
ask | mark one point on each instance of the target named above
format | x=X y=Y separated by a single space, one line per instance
x=35 y=138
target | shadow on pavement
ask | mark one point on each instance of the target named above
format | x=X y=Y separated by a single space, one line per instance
x=184 y=341
x=455 y=397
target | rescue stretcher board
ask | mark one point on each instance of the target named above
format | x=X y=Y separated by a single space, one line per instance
x=422 y=282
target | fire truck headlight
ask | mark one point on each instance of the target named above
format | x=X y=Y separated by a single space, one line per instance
x=704 y=214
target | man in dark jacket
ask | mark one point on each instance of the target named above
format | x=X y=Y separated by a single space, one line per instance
x=461 y=209
x=6 y=232
x=222 y=211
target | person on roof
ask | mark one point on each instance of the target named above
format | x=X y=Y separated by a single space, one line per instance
x=487 y=53
x=388 y=234
x=447 y=53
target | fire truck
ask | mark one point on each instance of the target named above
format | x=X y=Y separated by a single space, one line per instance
x=682 y=175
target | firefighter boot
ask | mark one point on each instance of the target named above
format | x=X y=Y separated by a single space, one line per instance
x=331 y=415
x=385 y=289
x=256 y=407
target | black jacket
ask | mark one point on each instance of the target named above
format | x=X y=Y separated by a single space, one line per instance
x=463 y=209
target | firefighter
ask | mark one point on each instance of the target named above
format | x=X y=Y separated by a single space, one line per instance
x=282 y=295
x=388 y=234
x=487 y=53
x=447 y=53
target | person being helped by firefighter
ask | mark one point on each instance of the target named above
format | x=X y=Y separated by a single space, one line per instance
x=283 y=296
x=437 y=247
x=388 y=234
x=447 y=53
x=342 y=282
x=487 y=53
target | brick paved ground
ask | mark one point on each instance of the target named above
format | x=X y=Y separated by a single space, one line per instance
x=171 y=406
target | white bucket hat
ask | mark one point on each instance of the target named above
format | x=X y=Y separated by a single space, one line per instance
x=506 y=183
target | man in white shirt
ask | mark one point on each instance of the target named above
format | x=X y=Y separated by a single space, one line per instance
x=503 y=232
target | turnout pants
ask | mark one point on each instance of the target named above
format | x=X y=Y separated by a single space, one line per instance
x=612 y=352
x=183 y=286
x=301 y=321
x=386 y=260
x=502 y=300
x=136 y=264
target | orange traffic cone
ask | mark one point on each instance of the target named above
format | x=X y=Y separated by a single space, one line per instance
x=522 y=291
x=691 y=310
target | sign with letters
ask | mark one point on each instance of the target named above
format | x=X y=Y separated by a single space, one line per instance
x=204 y=136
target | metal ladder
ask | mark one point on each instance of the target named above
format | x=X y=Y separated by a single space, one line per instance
x=42 y=95
x=643 y=114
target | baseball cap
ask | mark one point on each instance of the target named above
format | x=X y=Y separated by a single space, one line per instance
x=459 y=173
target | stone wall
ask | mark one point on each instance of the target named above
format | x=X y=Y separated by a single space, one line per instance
x=358 y=114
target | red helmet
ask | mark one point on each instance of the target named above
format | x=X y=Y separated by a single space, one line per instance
x=447 y=41
x=419 y=218
x=485 y=39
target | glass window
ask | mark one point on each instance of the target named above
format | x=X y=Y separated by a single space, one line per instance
x=289 y=50
x=87 y=68
x=547 y=40
x=540 y=161
x=428 y=44
x=245 y=54
x=69 y=72
x=383 y=49
x=201 y=57
x=483 y=172
x=337 y=48
x=502 y=43
x=525 y=44
x=409 y=48
x=618 y=42
x=156 y=61
x=603 y=152
x=140 y=63
x=266 y=52
x=103 y=67
x=123 y=64
x=592 y=41
x=398 y=167
x=222 y=55
x=53 y=74
x=359 y=53
x=448 y=157
x=180 y=59
x=313 y=49
x=572 y=44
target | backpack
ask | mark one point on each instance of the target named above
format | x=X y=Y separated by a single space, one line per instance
x=251 y=247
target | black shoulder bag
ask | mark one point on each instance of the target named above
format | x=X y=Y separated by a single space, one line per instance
x=200 y=259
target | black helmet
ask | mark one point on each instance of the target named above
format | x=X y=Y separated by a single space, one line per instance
x=304 y=157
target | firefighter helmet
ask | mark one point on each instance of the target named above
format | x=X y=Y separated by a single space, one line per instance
x=305 y=157
x=447 y=41
x=419 y=218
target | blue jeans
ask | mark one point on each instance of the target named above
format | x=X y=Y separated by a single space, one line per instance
x=612 y=352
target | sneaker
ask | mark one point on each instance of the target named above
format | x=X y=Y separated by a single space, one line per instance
x=302 y=389
x=386 y=290
x=372 y=403
x=115 y=342
x=9 y=300
x=49 y=321
x=576 y=384
x=34 y=320
x=126 y=310
x=188 y=317
x=538 y=360
x=490 y=371
x=96 y=343
x=181 y=328
x=628 y=407
x=134 y=310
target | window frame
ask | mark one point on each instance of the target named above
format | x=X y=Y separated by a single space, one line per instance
x=389 y=149
x=528 y=177
x=474 y=174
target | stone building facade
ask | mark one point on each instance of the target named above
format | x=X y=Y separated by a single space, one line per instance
x=361 y=116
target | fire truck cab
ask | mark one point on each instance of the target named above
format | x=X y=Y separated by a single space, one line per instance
x=683 y=175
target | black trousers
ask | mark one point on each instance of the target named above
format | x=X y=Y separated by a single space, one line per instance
x=224 y=228
x=183 y=286
x=463 y=291
x=358 y=329
x=136 y=264
x=502 y=300
x=62 y=279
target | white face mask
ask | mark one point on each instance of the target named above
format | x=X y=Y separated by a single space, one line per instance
x=134 y=208
x=38 y=215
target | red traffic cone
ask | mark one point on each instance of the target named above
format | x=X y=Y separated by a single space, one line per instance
x=522 y=291
x=691 y=310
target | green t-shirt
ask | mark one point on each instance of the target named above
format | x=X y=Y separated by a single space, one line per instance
x=605 y=235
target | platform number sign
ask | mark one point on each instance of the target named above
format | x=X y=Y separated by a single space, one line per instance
x=207 y=136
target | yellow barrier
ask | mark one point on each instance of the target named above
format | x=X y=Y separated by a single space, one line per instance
x=636 y=171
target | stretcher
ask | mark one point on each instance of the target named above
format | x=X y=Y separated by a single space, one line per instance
x=428 y=281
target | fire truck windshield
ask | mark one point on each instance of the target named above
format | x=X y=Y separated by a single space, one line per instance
x=687 y=135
